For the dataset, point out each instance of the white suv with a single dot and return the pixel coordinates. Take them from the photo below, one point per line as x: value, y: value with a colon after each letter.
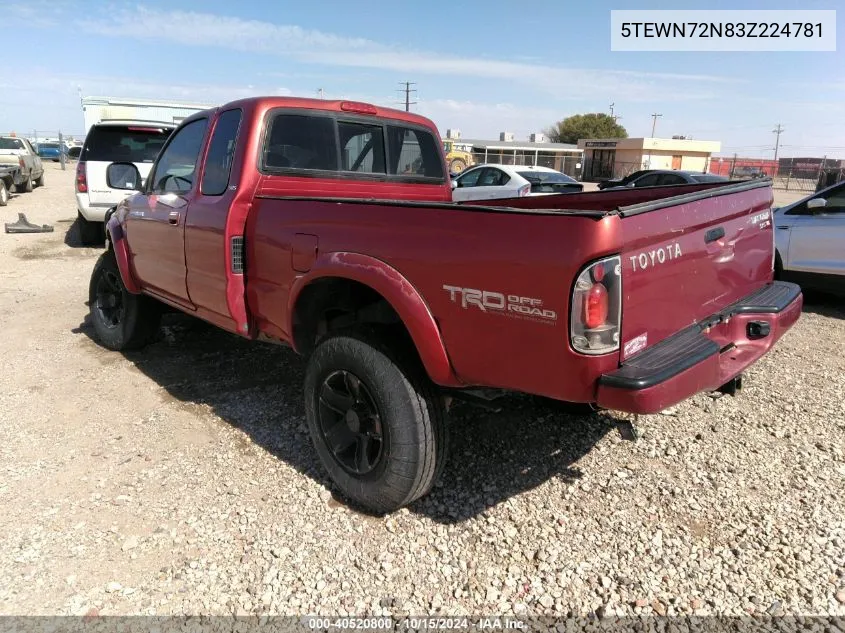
x: 109, y: 142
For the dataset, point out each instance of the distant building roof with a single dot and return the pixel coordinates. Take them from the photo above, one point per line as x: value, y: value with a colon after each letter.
x: 121, y: 101
x: 526, y: 146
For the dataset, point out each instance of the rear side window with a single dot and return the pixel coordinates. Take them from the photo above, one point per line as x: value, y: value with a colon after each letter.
x: 221, y: 151
x: 413, y: 152
x: 299, y: 141
x: 112, y: 143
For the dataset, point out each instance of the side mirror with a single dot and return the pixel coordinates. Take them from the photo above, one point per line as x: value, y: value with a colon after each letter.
x: 816, y: 204
x: 124, y: 176
x: 454, y: 184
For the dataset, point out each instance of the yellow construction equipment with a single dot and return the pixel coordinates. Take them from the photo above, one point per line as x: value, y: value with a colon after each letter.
x: 457, y: 159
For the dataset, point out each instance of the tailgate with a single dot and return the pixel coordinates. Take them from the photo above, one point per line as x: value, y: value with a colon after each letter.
x: 687, y: 257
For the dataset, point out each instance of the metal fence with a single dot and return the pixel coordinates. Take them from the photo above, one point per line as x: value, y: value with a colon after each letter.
x: 788, y: 174
x: 569, y: 164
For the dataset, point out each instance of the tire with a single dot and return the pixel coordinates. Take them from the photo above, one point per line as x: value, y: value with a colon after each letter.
x: 4, y: 194
x: 25, y: 187
x: 121, y: 320
x: 90, y: 233
x: 404, y: 444
x: 39, y: 182
x: 457, y: 165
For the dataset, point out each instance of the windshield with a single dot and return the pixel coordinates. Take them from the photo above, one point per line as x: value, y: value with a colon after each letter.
x: 118, y: 143
x: 546, y: 177
x: 11, y: 143
x: 49, y: 146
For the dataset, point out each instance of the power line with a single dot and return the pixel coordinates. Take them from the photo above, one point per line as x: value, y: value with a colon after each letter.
x: 408, y: 90
x: 654, y: 118
x: 777, y: 131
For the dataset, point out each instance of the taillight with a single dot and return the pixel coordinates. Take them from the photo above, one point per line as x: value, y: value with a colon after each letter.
x: 22, y: 163
x: 596, y: 307
x: 81, y: 178
x: 524, y: 190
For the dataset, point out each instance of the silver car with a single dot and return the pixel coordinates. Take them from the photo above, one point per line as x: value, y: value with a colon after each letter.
x: 810, y: 240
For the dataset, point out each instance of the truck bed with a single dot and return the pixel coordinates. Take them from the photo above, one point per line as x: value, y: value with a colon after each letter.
x: 525, y: 248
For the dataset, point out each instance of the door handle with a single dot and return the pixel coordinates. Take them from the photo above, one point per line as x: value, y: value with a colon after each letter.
x: 173, y: 218
x: 783, y: 227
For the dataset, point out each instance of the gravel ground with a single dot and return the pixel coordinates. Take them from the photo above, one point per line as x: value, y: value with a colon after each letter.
x: 180, y: 480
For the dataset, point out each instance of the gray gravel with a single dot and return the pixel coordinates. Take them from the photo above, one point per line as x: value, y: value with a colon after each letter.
x: 181, y: 480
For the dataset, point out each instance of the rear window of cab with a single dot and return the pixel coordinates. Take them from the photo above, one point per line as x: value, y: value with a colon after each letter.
x: 324, y: 144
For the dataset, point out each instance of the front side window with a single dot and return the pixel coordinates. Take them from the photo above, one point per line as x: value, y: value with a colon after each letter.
x: 176, y: 167
x: 469, y: 179
x: 221, y: 151
x: 301, y: 141
x: 835, y: 203
x: 362, y: 147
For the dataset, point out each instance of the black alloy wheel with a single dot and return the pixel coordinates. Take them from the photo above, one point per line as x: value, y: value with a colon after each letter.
x: 350, y: 423
x: 110, y: 303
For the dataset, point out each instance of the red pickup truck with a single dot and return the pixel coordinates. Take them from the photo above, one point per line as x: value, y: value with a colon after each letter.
x: 328, y: 226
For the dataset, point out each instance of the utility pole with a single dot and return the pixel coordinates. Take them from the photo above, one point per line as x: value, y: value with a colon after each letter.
x: 613, y: 116
x: 777, y: 131
x: 654, y: 118
x: 320, y: 92
x: 408, y: 90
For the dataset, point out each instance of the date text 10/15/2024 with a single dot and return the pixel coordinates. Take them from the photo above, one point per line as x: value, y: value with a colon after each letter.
x: 414, y: 623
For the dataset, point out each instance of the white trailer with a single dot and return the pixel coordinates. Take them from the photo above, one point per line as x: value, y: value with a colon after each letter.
x: 96, y: 109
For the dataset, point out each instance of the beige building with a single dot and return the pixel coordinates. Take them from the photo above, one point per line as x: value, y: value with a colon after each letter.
x: 617, y: 157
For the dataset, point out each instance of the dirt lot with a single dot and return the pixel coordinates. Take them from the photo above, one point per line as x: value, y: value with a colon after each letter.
x: 180, y: 479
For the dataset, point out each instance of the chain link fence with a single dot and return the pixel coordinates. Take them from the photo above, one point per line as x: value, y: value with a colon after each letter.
x: 788, y: 174
x: 570, y: 164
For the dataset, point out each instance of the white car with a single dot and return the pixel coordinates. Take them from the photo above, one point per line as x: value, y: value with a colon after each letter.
x: 110, y: 142
x: 493, y: 182
x: 810, y: 240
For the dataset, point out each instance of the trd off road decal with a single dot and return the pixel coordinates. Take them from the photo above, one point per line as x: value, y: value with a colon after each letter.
x: 498, y: 303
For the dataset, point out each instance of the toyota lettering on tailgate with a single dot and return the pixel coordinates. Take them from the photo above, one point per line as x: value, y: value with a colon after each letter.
x: 656, y: 256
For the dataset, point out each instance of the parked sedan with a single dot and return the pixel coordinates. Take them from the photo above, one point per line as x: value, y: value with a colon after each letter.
x: 492, y: 182
x: 810, y: 240
x: 668, y: 177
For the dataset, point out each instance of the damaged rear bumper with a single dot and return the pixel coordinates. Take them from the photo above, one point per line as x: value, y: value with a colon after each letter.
x: 704, y: 356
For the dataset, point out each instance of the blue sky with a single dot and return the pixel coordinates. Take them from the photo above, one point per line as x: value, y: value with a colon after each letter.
x: 481, y: 67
